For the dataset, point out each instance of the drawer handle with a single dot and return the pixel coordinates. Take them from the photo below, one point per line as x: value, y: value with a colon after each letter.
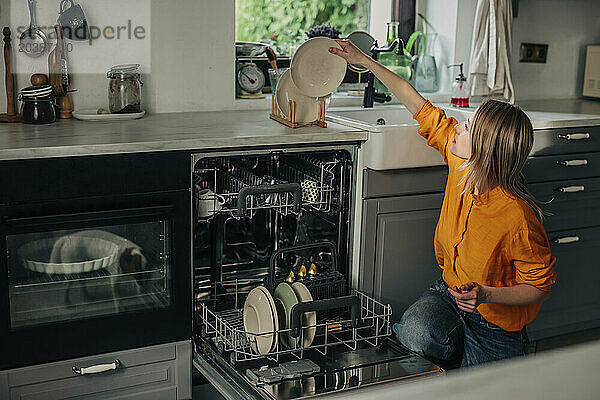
x: 572, y: 163
x: 566, y: 239
x: 96, y: 369
x: 574, y: 136
x: 571, y: 189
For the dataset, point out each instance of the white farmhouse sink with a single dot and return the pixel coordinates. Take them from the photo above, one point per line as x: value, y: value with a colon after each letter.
x: 396, y: 144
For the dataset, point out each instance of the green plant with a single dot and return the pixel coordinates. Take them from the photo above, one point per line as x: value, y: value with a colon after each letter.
x: 281, y: 22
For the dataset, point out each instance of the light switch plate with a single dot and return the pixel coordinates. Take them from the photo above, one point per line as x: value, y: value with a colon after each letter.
x: 531, y: 52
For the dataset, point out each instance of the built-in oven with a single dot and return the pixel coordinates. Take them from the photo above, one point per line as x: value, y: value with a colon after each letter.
x: 89, y: 275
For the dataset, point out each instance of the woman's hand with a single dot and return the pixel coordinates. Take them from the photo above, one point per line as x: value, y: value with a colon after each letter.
x: 469, y: 296
x: 350, y: 53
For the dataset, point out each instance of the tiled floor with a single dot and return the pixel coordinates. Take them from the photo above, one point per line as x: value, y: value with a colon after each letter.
x: 204, y: 391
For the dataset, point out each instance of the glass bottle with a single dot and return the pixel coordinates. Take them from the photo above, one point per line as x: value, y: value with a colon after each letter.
x: 399, y: 64
x: 425, y: 75
x: 460, y: 89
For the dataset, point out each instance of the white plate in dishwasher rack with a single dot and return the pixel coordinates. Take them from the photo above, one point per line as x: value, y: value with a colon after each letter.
x: 309, y: 319
x: 260, y: 320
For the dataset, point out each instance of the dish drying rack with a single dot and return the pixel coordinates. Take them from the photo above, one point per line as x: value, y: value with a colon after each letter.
x: 302, y: 180
x: 277, y: 115
x: 370, y: 325
x: 367, y: 322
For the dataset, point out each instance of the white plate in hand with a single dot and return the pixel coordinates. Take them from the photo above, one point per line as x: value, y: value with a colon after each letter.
x: 315, y: 71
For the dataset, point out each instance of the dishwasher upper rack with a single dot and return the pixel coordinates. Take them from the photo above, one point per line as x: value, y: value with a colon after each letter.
x: 226, y: 330
x: 302, y: 180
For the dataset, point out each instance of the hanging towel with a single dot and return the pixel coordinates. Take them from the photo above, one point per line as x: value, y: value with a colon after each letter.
x: 489, y: 70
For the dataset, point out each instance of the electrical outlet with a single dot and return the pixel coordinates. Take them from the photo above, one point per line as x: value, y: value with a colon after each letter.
x: 531, y: 52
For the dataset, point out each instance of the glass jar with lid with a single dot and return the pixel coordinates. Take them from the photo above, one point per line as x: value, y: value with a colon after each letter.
x: 124, y: 89
x: 37, y: 105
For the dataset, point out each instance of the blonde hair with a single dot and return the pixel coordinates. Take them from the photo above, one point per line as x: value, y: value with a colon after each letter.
x: 501, y: 139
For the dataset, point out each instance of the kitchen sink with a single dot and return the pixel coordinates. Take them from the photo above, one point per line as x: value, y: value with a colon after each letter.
x: 393, y: 142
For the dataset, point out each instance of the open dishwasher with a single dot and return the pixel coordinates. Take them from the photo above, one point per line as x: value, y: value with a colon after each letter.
x: 266, y: 220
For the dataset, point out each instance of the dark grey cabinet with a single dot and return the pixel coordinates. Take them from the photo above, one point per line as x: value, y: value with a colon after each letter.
x: 574, y: 303
x: 155, y: 372
x: 397, y: 258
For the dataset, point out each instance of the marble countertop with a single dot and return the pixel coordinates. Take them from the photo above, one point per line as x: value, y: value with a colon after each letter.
x: 163, y: 132
x: 200, y: 131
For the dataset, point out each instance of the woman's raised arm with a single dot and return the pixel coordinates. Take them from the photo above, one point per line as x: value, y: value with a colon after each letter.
x: 403, y: 90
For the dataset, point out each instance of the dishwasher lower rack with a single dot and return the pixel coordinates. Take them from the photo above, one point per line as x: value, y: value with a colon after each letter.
x: 226, y: 330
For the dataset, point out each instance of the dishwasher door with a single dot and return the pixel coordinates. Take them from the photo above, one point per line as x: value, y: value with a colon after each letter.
x: 340, y: 371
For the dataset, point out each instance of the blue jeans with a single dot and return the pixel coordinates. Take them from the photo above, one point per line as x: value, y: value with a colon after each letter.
x: 437, y: 329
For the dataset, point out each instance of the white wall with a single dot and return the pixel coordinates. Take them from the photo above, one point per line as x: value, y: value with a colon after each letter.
x: 567, y: 27
x: 191, y: 55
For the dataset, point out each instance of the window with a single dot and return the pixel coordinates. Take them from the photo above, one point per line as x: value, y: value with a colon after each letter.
x: 283, y: 24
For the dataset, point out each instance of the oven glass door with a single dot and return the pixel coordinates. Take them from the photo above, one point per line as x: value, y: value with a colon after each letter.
x: 93, y: 275
x: 66, y: 275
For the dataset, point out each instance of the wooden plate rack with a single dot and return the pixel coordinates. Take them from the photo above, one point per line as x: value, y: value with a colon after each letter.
x: 278, y: 116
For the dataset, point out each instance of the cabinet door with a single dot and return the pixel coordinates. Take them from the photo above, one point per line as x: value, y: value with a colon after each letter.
x: 405, y: 264
x: 574, y: 303
x: 398, y: 261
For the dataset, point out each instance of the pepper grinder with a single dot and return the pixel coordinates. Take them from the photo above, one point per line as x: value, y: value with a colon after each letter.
x: 60, y: 79
x: 11, y: 114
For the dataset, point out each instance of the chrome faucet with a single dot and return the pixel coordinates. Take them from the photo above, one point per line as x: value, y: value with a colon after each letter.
x: 370, y: 94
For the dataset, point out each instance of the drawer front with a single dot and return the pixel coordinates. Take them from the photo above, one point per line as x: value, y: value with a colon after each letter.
x: 566, y: 140
x: 404, y: 181
x: 574, y: 301
x: 566, y: 166
x: 150, y: 369
x: 573, y: 203
x: 64, y: 369
x: 141, y: 378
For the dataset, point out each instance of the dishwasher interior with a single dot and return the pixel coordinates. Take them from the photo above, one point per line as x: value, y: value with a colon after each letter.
x: 269, y: 219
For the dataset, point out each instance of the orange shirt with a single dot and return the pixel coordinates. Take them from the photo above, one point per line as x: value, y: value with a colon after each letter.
x: 493, y: 239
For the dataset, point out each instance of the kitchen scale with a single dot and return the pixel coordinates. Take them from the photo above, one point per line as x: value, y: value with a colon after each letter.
x: 249, y: 79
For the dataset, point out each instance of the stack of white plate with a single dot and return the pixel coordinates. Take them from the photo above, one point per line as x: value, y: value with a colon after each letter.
x: 313, y: 75
x: 264, y: 315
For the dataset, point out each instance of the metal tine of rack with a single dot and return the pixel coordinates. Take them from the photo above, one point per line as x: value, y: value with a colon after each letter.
x: 226, y: 329
x: 306, y: 168
x: 315, y: 172
x: 228, y: 183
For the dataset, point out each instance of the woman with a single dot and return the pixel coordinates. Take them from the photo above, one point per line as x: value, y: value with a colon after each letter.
x: 489, y: 242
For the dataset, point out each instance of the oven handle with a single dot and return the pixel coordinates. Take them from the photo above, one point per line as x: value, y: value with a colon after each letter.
x: 87, y: 216
x: 322, y: 305
x: 246, y: 191
x: 317, y: 245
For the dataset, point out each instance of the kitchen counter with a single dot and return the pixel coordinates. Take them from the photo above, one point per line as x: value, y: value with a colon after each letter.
x: 223, y: 129
x: 162, y: 132
x: 562, y: 113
